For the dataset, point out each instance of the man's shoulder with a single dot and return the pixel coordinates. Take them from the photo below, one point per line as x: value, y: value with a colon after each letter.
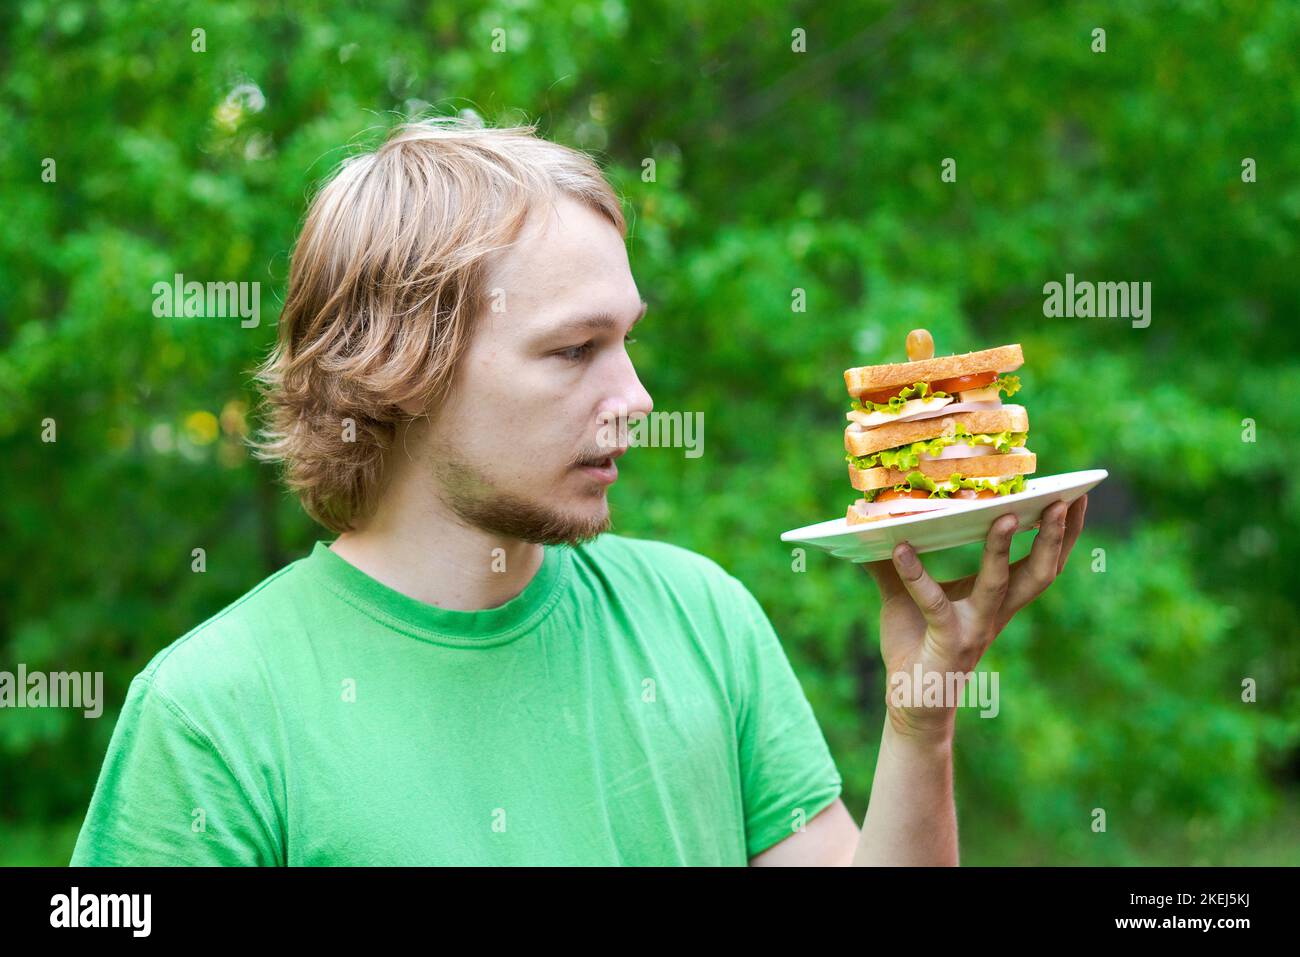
x: 668, y: 586
x: 224, y: 653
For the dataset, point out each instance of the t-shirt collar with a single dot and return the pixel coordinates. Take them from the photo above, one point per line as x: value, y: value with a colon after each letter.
x: 483, y: 628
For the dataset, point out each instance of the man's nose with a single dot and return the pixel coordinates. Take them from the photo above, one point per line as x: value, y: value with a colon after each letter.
x: 629, y: 396
x: 639, y: 401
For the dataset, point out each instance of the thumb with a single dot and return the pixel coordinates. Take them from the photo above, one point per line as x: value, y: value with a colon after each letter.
x: 925, y: 591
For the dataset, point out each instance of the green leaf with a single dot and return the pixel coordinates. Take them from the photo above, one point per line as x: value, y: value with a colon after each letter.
x: 909, y: 456
x: 917, y: 480
x: 918, y: 390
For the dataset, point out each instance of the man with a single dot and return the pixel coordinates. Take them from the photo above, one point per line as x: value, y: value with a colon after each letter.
x: 475, y: 671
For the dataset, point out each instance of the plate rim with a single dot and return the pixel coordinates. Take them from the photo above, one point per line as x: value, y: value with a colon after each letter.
x: 1096, y: 477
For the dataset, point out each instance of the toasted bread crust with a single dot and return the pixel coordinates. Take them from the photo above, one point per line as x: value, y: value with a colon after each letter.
x: 854, y: 517
x: 870, y: 378
x: 1012, y: 418
x: 980, y: 466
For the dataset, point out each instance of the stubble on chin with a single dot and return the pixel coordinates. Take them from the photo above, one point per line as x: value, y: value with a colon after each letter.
x: 473, y: 499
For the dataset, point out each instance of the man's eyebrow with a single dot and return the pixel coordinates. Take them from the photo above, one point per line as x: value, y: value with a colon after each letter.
x: 596, y: 322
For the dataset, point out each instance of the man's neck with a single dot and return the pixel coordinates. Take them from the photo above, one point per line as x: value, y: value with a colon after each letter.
x: 441, y: 562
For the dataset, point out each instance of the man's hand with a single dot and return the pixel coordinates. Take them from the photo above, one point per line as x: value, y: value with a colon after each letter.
x: 947, y: 626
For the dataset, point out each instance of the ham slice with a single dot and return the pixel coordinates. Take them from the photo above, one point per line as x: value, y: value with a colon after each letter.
x: 915, y: 410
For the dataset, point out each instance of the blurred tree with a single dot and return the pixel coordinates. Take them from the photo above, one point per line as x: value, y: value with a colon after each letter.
x: 147, y: 140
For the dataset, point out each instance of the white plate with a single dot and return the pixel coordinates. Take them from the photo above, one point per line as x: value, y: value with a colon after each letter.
x: 947, y: 529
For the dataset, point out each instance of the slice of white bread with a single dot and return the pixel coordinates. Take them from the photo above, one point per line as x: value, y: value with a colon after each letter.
x: 854, y: 517
x: 1007, y: 418
x: 978, y: 466
x: 870, y: 378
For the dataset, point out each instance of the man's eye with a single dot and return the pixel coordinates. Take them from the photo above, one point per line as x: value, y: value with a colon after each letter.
x: 575, y: 353
x: 578, y: 353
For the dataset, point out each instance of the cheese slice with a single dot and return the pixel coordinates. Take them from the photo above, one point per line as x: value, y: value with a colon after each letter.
x: 986, y: 394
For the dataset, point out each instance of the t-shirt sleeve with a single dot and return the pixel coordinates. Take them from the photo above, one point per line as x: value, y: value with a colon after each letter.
x: 787, y: 773
x: 167, y: 796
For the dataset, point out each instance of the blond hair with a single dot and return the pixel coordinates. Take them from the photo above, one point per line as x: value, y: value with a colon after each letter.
x: 387, y: 279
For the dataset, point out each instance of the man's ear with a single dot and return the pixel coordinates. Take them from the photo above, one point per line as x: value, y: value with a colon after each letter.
x: 416, y: 406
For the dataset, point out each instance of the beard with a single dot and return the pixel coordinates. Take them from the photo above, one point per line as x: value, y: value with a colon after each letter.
x: 473, y: 498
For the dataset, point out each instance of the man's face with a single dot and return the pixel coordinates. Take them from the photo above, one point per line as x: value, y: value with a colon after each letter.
x: 544, y: 382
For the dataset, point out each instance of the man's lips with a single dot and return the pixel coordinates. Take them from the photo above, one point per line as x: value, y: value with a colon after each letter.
x: 603, y: 469
x: 604, y: 459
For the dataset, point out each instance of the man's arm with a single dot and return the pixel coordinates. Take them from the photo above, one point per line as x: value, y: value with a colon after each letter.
x: 939, y: 627
x: 827, y: 840
x: 912, y: 818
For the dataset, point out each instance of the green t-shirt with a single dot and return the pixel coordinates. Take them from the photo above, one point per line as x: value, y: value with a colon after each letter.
x: 632, y: 705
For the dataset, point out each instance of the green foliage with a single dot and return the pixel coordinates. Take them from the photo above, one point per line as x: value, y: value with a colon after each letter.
x: 775, y: 171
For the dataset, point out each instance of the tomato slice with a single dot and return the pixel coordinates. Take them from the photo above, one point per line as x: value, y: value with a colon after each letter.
x: 882, y: 395
x: 889, y: 494
x: 956, y: 384
x: 963, y: 382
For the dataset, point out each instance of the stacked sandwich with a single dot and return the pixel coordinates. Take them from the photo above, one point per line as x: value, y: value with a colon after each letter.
x: 931, y: 434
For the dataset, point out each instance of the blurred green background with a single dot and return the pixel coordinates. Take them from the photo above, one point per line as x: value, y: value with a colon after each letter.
x: 775, y: 170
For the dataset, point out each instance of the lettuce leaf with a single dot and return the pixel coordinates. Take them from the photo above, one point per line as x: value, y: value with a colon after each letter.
x: 1010, y: 384
x: 905, y: 457
x: 919, y: 481
x: 919, y: 390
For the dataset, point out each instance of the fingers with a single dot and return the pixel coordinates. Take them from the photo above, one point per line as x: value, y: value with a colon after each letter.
x: 1037, y: 570
x: 990, y: 586
x: 959, y: 588
x: 1073, y: 526
x: 885, y: 577
x: 925, y: 591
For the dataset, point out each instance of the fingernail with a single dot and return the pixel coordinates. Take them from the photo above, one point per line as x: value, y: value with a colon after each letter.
x: 906, y: 556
